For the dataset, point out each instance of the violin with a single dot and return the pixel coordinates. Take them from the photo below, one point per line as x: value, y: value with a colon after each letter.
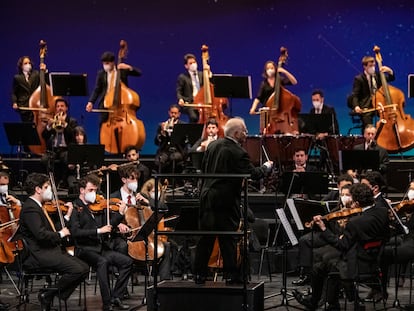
x: 405, y: 206
x: 344, y: 213
x: 100, y: 204
x: 51, y: 207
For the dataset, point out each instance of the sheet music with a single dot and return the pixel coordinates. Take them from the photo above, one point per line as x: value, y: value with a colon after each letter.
x: 286, y: 225
x: 291, y: 204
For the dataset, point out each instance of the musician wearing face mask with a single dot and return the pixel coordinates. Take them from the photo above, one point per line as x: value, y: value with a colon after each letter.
x: 25, y: 82
x: 188, y: 85
x: 319, y: 107
x: 267, y: 87
x: 6, y: 197
x: 106, y: 79
x: 364, y: 86
x: 169, y: 154
x: 90, y: 231
x: 44, y: 242
x: 370, y: 144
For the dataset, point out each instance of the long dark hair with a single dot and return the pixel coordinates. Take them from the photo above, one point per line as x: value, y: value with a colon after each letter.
x: 20, y: 63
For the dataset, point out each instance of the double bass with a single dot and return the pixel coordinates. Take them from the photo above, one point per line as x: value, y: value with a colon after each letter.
x: 283, y: 105
x: 122, y: 127
x: 208, y: 105
x: 395, y: 129
x: 42, y: 104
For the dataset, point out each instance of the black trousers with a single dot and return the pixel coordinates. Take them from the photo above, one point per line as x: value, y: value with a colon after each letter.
x: 102, y: 261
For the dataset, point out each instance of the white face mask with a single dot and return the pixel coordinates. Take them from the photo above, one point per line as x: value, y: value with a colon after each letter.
x: 317, y: 105
x: 270, y: 72
x: 4, y: 189
x: 133, y: 186
x: 107, y: 67
x: 47, y: 194
x: 26, y: 68
x: 345, y: 199
x: 193, y: 67
x: 371, y: 70
x: 90, y: 197
x: 410, y: 194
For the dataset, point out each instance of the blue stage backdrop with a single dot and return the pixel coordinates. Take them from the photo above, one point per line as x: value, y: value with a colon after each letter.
x: 326, y: 41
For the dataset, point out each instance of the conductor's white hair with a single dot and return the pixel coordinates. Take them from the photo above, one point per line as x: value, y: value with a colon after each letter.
x: 233, y: 125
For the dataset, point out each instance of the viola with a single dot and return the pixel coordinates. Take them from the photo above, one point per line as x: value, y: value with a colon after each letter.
x: 51, y: 206
x: 344, y: 213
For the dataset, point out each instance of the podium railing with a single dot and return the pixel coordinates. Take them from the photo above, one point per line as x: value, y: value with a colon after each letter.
x: 203, y: 233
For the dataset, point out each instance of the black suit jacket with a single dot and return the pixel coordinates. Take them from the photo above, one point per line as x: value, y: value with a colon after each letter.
x: 361, y: 93
x: 35, y: 228
x: 22, y: 89
x: 220, y: 197
x: 101, y: 84
x: 373, y: 224
x: 84, y: 226
x: 383, y: 155
x: 333, y: 130
x: 184, y: 88
x: 68, y: 132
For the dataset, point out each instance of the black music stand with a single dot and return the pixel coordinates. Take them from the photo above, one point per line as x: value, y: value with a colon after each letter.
x: 359, y: 160
x: 232, y: 87
x: 186, y: 134
x: 88, y: 156
x: 311, y: 123
x: 305, y: 182
x: 67, y: 84
x: 149, y: 226
x: 306, y: 209
x: 21, y: 134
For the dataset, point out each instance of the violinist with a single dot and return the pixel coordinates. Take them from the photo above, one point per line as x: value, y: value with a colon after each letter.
x: 44, y: 242
x: 376, y: 182
x: 267, y: 86
x: 106, y: 79
x: 370, y: 132
x: 25, y: 82
x: 371, y: 224
x: 90, y: 231
x: 364, y: 87
x: 132, y: 155
x: 169, y: 155
x: 59, y: 134
x: 188, y: 85
x: 311, y: 247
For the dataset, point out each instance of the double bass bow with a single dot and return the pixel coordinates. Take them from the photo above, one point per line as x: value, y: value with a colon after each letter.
x: 395, y: 129
x: 41, y: 103
x: 283, y: 105
x: 122, y: 127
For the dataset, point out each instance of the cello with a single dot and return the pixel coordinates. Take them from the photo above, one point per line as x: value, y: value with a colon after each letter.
x: 283, y: 105
x: 122, y: 127
x: 395, y: 129
x: 42, y: 104
x: 208, y: 105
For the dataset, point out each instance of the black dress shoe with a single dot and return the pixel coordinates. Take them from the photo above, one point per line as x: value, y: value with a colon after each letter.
x: 116, y: 302
x: 305, y: 301
x: 45, y: 297
x: 199, y: 279
x: 303, y: 280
